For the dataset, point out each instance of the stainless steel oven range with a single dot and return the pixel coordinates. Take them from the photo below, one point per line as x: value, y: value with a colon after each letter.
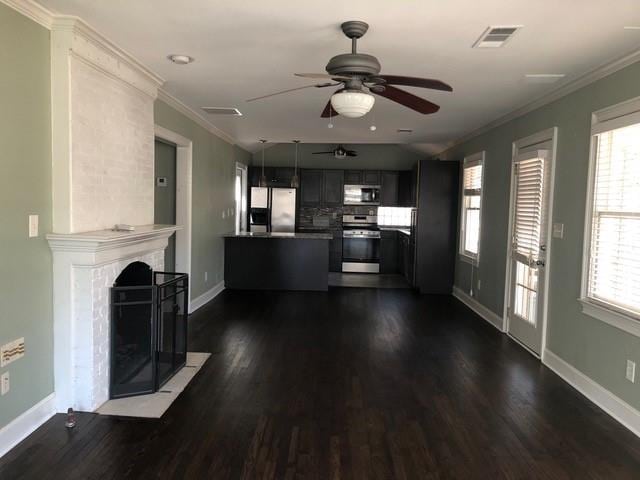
x: 360, y: 244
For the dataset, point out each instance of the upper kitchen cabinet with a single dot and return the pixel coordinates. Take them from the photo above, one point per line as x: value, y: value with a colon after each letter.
x: 408, y: 188
x: 333, y: 188
x: 362, y: 177
x: 321, y: 188
x: 353, y: 177
x: 371, y: 177
x: 389, y: 189
x: 276, y: 176
x: 311, y: 186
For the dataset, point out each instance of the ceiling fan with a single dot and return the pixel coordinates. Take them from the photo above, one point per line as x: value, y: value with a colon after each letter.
x: 358, y: 75
x: 339, y: 152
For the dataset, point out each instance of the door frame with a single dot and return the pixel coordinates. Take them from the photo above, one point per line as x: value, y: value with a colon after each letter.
x: 184, y: 197
x: 550, y: 134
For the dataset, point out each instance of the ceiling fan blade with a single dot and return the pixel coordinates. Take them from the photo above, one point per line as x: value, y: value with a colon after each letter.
x: 318, y: 85
x: 407, y: 99
x: 322, y: 153
x: 321, y: 75
x: 416, y: 82
x: 351, y: 153
x: 329, y: 111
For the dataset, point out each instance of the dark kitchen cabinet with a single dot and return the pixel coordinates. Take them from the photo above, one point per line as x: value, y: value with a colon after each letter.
x: 333, y: 189
x: 371, y: 177
x: 408, y: 188
x: 389, y: 189
x: 311, y: 186
x: 320, y: 188
x: 353, y: 177
x: 335, y: 253
x: 437, y: 225
x: 276, y: 176
x: 406, y: 255
x: 389, y: 251
x: 362, y: 177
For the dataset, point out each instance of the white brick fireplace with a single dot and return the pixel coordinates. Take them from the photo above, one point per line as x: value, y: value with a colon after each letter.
x: 103, y: 162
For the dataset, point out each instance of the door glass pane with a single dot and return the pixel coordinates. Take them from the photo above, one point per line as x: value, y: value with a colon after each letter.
x: 525, y: 294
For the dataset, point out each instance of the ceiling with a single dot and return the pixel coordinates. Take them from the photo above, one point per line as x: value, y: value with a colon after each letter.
x: 247, y: 48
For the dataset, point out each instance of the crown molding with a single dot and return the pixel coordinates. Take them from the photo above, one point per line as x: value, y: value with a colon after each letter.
x: 562, y: 91
x: 32, y: 10
x: 190, y: 113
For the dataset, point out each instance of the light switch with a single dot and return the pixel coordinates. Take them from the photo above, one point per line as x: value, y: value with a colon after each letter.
x: 33, y: 226
x: 5, y: 384
x: 558, y: 230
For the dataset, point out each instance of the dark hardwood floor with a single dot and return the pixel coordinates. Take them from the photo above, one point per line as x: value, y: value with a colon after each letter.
x: 351, y: 384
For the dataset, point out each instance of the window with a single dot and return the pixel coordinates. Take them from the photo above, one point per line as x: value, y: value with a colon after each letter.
x: 394, y: 216
x: 471, y: 206
x: 612, y: 260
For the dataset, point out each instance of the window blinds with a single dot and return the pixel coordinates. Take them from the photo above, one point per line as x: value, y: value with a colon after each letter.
x: 472, y: 190
x: 472, y: 179
x: 529, y: 207
x: 614, y: 256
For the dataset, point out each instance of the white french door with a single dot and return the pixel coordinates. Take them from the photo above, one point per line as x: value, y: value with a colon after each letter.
x: 528, y: 252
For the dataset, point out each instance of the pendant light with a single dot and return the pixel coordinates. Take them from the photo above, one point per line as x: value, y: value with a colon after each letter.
x: 295, y: 180
x: 263, y: 177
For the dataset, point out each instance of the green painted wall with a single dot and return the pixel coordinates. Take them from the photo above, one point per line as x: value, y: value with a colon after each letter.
x: 213, y: 191
x: 371, y: 157
x: 26, y: 308
x: 595, y: 348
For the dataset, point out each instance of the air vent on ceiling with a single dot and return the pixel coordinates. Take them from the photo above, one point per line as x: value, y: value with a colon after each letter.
x: 494, y: 37
x: 543, y: 77
x: 405, y: 130
x: 222, y: 111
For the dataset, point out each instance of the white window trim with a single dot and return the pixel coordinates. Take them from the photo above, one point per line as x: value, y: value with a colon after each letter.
x: 616, y: 116
x: 465, y: 256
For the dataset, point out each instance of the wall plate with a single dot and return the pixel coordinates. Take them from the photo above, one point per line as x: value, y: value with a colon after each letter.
x: 12, y: 351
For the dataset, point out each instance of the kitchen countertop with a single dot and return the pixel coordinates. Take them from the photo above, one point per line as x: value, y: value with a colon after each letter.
x: 285, y: 235
x: 403, y: 230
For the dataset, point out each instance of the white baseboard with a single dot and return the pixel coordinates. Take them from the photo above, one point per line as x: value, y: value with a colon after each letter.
x: 480, y: 309
x: 206, y: 297
x: 603, y: 398
x: 20, y: 428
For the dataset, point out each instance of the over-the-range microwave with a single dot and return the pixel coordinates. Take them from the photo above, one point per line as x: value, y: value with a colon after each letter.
x: 362, y: 194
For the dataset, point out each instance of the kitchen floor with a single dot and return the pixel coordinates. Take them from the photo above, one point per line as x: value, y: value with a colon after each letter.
x: 367, y: 280
x: 346, y: 384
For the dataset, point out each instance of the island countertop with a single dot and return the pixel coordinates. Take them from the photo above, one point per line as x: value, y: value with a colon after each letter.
x: 281, y: 235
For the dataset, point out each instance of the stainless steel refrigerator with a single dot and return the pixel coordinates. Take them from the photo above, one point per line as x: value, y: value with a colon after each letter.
x: 272, y: 209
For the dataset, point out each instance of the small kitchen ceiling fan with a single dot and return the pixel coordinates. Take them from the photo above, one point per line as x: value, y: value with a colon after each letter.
x: 339, y: 152
x: 358, y: 76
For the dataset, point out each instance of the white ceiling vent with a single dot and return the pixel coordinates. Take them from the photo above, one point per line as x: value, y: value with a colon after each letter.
x: 222, y: 111
x: 494, y: 37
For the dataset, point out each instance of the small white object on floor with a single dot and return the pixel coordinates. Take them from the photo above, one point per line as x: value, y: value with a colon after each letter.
x: 155, y: 404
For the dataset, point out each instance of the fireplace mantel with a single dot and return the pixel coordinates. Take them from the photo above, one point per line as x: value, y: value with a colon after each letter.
x: 108, y: 239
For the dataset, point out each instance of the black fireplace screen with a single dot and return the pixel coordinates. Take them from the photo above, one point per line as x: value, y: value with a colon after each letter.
x: 148, y: 329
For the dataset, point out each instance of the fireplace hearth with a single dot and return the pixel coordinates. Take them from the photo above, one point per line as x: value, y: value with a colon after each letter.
x: 148, y: 329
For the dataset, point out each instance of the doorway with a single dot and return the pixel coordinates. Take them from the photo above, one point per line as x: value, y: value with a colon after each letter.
x: 165, y: 196
x: 529, y: 239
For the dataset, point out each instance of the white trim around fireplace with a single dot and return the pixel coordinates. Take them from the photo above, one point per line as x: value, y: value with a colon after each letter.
x: 184, y: 197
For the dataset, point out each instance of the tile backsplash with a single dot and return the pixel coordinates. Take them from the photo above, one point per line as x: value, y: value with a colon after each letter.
x: 330, y: 217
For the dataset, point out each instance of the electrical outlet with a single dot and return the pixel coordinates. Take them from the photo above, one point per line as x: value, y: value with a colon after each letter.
x: 631, y: 371
x: 12, y: 351
x: 5, y: 384
x: 206, y: 276
x: 33, y: 226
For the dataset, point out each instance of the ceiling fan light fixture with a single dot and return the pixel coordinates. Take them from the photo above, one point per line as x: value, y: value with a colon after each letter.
x: 352, y: 104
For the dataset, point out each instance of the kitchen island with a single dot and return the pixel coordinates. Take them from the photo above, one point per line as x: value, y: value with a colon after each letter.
x: 276, y: 261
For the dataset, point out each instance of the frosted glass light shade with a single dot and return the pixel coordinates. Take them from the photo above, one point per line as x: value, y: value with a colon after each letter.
x: 352, y: 104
